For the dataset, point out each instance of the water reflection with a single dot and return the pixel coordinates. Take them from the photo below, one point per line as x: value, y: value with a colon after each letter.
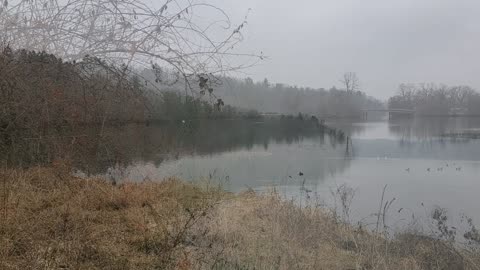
x: 253, y: 153
x: 433, y: 127
x: 420, y: 138
x: 280, y: 164
x: 159, y: 148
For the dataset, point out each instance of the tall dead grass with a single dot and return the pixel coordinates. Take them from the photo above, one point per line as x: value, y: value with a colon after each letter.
x: 53, y: 220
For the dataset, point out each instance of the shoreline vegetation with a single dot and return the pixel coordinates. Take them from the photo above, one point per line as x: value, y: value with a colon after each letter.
x: 53, y: 220
x: 52, y: 109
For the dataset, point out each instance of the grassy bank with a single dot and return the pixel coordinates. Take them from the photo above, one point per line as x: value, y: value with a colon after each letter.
x: 53, y: 220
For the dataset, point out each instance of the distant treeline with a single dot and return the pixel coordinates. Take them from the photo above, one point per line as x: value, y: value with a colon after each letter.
x: 432, y: 99
x: 284, y: 99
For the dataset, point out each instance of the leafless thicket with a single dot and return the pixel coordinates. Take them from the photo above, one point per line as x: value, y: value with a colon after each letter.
x: 434, y: 99
x: 130, y: 32
x: 46, y: 104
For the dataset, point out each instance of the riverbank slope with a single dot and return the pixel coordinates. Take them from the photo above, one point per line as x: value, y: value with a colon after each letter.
x: 53, y: 220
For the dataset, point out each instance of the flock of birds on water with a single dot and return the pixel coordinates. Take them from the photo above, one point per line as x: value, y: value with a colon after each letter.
x: 457, y: 168
x: 440, y: 169
x: 408, y: 169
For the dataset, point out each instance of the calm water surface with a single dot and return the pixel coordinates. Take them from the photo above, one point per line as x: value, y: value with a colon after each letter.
x: 421, y: 164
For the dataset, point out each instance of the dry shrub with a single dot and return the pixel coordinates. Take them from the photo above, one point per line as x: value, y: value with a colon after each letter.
x: 268, y: 233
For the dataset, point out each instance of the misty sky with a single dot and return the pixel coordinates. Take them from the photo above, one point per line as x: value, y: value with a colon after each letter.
x: 387, y: 42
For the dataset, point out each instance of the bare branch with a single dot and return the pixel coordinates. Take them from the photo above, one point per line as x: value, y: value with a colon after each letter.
x: 128, y: 32
x: 350, y: 81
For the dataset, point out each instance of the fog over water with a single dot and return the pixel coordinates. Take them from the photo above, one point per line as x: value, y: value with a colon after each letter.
x: 312, y: 43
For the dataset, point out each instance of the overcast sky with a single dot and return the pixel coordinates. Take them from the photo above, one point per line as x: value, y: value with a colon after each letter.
x: 387, y: 42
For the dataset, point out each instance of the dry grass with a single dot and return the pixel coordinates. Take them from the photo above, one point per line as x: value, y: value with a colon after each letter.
x: 52, y: 220
x: 268, y: 233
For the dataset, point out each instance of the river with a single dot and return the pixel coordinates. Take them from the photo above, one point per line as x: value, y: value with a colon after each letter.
x: 424, y: 164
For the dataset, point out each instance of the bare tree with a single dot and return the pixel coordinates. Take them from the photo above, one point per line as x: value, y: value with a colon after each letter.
x: 131, y: 32
x: 350, y: 81
x: 434, y: 99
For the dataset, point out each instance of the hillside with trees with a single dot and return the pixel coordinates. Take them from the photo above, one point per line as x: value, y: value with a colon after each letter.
x: 286, y: 99
x: 266, y: 97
